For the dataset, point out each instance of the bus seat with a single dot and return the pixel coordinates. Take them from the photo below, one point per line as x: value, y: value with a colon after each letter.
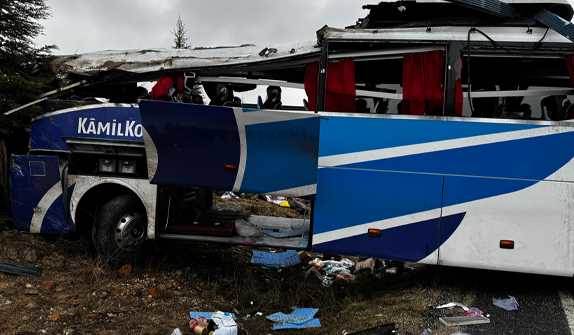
x: 273, y: 99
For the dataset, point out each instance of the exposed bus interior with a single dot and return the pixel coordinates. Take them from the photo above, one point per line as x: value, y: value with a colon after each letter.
x: 199, y: 214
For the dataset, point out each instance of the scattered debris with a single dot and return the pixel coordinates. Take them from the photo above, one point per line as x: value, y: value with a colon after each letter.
x: 277, y: 200
x: 216, y: 323
x: 367, y: 264
x: 20, y: 269
x: 508, y: 304
x: 472, y: 316
x: 275, y: 259
x: 229, y: 195
x: 455, y: 321
x: 269, y: 51
x: 302, y: 206
x: 329, y: 271
x: 176, y: 331
x: 386, y: 329
x: 299, y: 318
x: 468, y: 311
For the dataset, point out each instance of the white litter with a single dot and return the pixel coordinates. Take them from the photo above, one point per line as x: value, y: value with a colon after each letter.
x: 508, y: 304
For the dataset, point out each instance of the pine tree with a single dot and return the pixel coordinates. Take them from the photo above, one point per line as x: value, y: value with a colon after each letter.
x: 23, y: 67
x: 19, y: 25
x: 24, y: 74
x: 181, y: 40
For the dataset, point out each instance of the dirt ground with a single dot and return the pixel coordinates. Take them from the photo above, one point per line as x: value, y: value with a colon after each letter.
x: 76, y: 294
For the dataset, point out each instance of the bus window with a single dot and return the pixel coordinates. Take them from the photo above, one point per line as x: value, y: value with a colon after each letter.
x: 340, y: 86
x: 517, y: 87
x: 401, y: 81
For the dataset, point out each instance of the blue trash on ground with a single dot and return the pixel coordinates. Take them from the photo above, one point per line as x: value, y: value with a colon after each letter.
x: 299, y: 318
x: 275, y: 259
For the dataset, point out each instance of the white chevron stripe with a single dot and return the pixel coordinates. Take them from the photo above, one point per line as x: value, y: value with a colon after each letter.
x: 238, y: 113
x: 382, y: 224
x: 43, y: 206
x: 268, y: 116
x: 300, y: 191
x: 414, y: 149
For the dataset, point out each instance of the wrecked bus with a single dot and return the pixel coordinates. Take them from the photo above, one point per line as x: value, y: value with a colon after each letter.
x: 431, y: 132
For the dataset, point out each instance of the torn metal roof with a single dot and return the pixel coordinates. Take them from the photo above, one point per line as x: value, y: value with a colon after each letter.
x: 446, y: 33
x: 153, y: 60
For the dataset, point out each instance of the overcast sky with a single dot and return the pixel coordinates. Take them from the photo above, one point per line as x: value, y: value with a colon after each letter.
x: 91, y: 25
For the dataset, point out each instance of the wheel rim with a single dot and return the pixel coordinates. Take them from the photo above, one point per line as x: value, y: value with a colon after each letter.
x: 129, y: 231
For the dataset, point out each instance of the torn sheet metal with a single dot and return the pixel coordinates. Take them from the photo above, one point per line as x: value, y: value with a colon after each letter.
x: 151, y: 60
x: 457, y: 321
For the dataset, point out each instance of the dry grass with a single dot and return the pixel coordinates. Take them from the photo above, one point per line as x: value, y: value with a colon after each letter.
x: 78, y: 293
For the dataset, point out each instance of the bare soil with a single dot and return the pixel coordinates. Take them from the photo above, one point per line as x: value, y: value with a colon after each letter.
x: 77, y: 294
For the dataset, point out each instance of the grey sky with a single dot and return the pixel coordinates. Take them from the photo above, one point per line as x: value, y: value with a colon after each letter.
x: 82, y: 26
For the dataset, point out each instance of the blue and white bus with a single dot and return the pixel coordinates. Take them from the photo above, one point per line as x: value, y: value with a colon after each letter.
x: 441, y: 143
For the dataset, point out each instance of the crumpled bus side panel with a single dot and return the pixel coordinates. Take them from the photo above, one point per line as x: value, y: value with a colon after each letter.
x: 37, y: 201
x: 228, y: 148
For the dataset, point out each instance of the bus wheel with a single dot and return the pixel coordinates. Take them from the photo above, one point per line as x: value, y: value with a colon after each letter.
x: 120, y: 230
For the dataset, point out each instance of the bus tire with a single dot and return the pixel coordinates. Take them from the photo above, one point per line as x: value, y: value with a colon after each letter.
x: 120, y: 230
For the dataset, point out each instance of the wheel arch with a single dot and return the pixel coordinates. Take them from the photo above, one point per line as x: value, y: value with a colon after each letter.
x: 92, y: 192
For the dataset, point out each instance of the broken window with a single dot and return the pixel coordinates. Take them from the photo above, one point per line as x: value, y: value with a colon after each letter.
x: 519, y: 86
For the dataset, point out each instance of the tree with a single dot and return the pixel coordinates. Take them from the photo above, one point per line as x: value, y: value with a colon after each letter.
x: 181, y: 40
x: 19, y: 25
x: 23, y: 67
x: 24, y: 73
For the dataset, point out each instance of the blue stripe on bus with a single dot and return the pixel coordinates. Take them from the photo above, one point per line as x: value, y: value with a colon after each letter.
x: 341, y: 135
x: 349, y: 197
x: 533, y: 158
x: 409, y: 243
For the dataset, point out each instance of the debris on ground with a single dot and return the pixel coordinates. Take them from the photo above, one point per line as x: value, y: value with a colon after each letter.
x: 277, y: 200
x: 457, y: 321
x: 330, y: 271
x: 508, y: 304
x: 302, y: 206
x: 252, y: 204
x: 229, y: 195
x: 20, y: 269
x: 275, y: 259
x: 471, y: 316
x: 176, y: 331
x: 216, y: 323
x: 299, y: 318
x: 367, y: 264
x: 468, y: 311
x: 386, y: 329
